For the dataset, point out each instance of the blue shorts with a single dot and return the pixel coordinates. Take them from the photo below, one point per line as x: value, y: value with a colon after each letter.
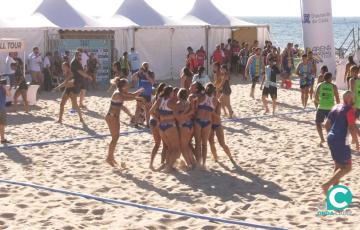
x: 340, y: 152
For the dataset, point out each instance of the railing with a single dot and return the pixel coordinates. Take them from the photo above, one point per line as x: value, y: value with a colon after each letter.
x: 350, y: 45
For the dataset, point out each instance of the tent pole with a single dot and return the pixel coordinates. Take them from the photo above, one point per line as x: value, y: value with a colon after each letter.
x: 171, y: 52
x: 207, y: 48
x: 133, y: 37
x: 24, y: 61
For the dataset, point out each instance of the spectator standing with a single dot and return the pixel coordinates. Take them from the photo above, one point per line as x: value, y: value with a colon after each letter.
x: 191, y: 61
x: 217, y: 56
x: 35, y: 62
x: 56, y: 65
x: 92, y: 67
x: 134, y: 58
x: 67, y: 57
x: 9, y: 71
x: 243, y: 58
x: 47, y: 72
x: 125, y: 64
x: 201, y: 56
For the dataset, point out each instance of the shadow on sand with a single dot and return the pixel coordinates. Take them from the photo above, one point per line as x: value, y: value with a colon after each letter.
x: 216, y: 183
x: 85, y: 128
x: 14, y: 155
x: 20, y: 119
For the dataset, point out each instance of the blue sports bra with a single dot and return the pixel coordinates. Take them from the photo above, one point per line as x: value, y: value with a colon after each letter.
x: 207, y: 104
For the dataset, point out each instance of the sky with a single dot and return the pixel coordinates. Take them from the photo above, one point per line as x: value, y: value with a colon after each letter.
x: 178, y: 8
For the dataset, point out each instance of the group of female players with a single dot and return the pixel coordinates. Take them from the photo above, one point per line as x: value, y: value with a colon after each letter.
x: 178, y: 116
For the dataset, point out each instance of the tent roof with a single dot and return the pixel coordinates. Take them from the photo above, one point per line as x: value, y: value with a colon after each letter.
x: 62, y: 14
x: 140, y: 12
x: 205, y: 11
x: 116, y: 21
x: 33, y: 21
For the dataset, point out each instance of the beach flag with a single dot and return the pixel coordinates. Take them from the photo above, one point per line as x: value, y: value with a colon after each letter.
x: 318, y: 34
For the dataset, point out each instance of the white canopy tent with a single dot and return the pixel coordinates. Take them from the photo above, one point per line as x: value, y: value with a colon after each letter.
x: 140, y: 12
x: 164, y: 46
x: 207, y: 12
x: 32, y: 29
x: 160, y: 40
x: 63, y: 15
x: 34, y: 21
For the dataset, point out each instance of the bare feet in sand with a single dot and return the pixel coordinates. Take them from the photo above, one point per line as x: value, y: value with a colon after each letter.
x: 231, y: 114
x: 168, y: 169
x: 321, y: 143
x: 232, y: 161
x: 111, y: 162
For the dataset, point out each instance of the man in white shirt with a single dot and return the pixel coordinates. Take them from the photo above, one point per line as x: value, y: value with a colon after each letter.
x: 9, y: 71
x: 134, y: 61
x: 35, y: 62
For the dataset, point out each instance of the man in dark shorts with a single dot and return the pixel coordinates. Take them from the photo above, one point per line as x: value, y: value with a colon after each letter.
x: 81, y: 78
x: 341, y: 122
x: 3, y: 93
x: 325, y: 95
x: 270, y: 87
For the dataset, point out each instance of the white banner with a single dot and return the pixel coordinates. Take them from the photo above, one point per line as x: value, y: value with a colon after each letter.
x: 11, y: 45
x: 318, y: 31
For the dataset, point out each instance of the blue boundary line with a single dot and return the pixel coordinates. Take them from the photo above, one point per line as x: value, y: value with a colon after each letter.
x: 267, y: 116
x: 147, y: 207
x: 140, y: 131
x: 98, y: 136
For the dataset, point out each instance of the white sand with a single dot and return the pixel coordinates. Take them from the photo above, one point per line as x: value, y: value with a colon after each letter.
x: 278, y: 180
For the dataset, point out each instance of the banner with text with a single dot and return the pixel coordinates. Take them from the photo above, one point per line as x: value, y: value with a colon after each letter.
x: 318, y: 34
x: 100, y: 47
x: 11, y: 45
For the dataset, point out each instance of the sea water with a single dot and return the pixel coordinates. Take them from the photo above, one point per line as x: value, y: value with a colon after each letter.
x: 289, y: 29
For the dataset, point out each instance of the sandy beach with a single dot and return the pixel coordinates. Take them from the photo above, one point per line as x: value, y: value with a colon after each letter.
x: 277, y: 181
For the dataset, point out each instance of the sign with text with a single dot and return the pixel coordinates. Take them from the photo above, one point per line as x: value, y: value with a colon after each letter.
x: 318, y: 34
x: 11, y: 45
x: 100, y: 47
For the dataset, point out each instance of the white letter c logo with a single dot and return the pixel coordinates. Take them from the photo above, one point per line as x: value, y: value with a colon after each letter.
x: 332, y: 198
